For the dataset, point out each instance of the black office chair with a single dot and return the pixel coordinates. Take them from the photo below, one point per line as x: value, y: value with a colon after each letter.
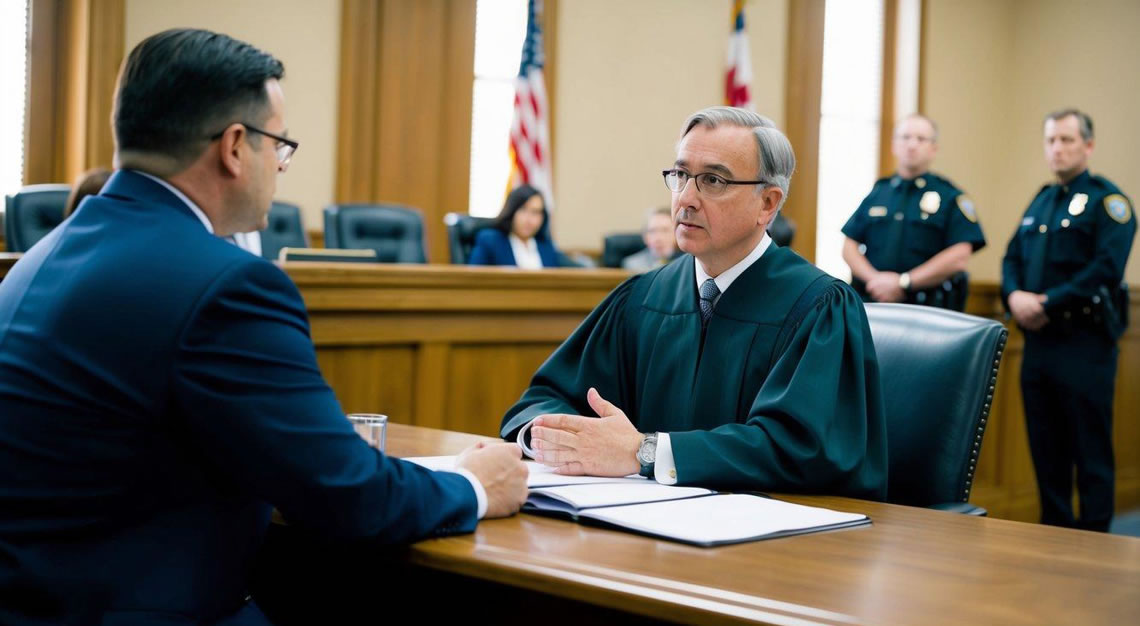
x: 396, y: 233
x: 939, y: 369
x: 461, y: 232
x: 285, y: 230
x: 31, y: 213
x: 617, y: 246
x: 782, y: 230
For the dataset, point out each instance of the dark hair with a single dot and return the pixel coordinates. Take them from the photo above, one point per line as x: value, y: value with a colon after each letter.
x: 182, y: 85
x: 89, y: 183
x: 515, y: 200
x: 1084, y: 122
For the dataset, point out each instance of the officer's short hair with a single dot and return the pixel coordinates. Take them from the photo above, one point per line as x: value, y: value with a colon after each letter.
x: 773, y: 150
x: 180, y: 86
x: 920, y: 116
x: 1084, y: 122
x: 657, y: 210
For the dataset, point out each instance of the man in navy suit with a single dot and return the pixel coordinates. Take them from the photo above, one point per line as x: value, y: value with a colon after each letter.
x: 159, y: 391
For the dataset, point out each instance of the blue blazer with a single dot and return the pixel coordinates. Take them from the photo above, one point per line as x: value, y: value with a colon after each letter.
x: 492, y: 247
x: 159, y: 394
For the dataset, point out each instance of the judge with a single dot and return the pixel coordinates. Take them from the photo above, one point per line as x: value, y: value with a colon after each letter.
x: 738, y: 365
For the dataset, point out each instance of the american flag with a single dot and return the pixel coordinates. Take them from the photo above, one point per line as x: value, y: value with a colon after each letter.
x: 530, y: 134
x: 739, y: 75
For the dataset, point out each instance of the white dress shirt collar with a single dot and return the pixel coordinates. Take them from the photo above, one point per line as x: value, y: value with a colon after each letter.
x: 181, y: 196
x: 729, y: 275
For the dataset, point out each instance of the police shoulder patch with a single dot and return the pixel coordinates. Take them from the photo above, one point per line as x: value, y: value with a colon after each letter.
x: 966, y: 206
x: 1118, y: 208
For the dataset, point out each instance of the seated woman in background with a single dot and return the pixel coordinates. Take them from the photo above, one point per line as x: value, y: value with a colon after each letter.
x: 520, y: 235
x: 89, y: 183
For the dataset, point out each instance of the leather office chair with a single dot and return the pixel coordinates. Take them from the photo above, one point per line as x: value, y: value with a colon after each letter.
x: 620, y: 245
x: 396, y: 233
x: 32, y: 213
x: 939, y: 369
x: 461, y: 232
x: 782, y: 230
x: 285, y: 230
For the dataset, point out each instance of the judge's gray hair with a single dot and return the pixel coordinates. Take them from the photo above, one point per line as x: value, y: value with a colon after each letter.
x: 773, y: 150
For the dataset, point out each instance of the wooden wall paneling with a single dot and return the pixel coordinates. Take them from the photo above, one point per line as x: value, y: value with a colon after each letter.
x: 405, y: 127
x: 1126, y: 426
x: 802, y: 106
x: 887, y: 111
x: 357, y: 102
x: 431, y: 384
x: 485, y: 380
x: 453, y: 169
x: 76, y: 49
x: 43, y: 106
x: 372, y: 379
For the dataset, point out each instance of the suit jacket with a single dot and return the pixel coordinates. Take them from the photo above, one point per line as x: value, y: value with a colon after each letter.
x: 642, y: 261
x: 158, y: 393
x: 492, y: 247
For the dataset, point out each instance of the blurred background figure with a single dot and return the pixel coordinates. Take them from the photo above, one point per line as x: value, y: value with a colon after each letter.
x: 660, y: 246
x: 521, y: 235
x: 89, y: 183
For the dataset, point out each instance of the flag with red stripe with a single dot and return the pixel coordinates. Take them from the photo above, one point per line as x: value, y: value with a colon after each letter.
x: 530, y: 134
x: 738, y: 78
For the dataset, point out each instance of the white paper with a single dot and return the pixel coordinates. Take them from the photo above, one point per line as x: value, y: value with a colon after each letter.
x: 614, y: 493
x: 726, y: 517
x: 540, y: 475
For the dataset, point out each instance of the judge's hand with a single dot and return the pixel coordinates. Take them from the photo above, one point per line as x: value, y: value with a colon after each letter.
x: 1028, y: 309
x: 500, y: 470
x: 602, y: 446
x: 884, y: 287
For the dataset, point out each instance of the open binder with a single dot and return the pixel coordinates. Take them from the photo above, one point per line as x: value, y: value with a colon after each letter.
x: 692, y: 515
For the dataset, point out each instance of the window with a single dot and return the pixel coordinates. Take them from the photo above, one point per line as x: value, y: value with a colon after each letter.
x: 13, y: 83
x: 500, y: 27
x: 849, y: 121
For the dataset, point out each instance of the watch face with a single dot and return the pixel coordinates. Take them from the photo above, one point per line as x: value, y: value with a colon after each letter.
x: 647, y: 453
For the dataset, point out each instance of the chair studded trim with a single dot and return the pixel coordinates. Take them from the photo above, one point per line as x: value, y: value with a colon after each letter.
x: 984, y: 417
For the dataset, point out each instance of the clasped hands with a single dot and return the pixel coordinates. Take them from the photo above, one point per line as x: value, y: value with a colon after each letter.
x: 1028, y: 309
x: 884, y: 287
x: 597, y: 446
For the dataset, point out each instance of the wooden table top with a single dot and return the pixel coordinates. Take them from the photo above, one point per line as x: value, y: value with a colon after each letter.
x: 910, y: 566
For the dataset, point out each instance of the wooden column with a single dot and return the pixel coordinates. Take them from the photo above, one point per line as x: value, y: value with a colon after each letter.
x: 802, y: 103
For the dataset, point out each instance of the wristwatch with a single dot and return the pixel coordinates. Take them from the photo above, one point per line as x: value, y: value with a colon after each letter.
x: 647, y: 454
x: 904, y: 281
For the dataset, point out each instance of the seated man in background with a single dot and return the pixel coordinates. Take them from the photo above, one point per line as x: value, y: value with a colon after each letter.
x: 660, y: 246
x: 738, y: 365
x: 159, y: 392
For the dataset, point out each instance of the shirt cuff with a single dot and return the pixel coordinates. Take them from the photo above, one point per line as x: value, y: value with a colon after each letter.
x: 664, y: 469
x: 480, y: 492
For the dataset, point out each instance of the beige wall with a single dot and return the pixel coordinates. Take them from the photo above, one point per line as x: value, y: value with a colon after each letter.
x: 629, y: 73
x: 305, y: 35
x: 994, y: 68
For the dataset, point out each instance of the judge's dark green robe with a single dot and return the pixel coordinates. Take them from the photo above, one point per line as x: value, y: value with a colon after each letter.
x: 783, y: 395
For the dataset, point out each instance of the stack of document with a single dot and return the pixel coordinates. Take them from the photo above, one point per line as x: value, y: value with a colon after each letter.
x: 692, y: 515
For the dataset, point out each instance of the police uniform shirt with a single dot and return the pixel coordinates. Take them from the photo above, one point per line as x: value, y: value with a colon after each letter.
x: 1073, y: 239
x: 903, y: 223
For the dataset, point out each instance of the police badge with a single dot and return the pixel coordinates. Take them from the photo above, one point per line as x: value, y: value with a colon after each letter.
x: 930, y: 202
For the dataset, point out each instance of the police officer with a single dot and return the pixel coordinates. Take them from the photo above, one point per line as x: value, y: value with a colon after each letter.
x: 911, y: 237
x: 1061, y: 281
